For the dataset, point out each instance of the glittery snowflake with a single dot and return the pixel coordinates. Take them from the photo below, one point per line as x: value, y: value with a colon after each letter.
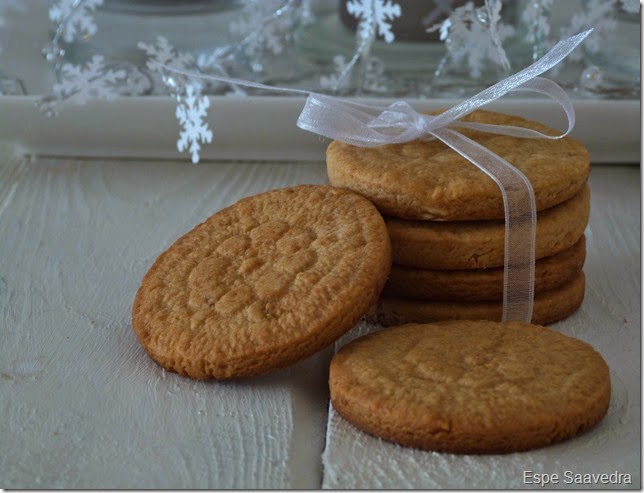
x: 382, y: 12
x: 191, y: 105
x: 79, y: 83
x: 339, y: 81
x: 163, y: 53
x: 475, y: 35
x: 264, y: 24
x: 598, y: 15
x: 536, y: 15
x: 191, y: 112
x: 334, y: 81
x: 373, y: 17
x: 76, y: 18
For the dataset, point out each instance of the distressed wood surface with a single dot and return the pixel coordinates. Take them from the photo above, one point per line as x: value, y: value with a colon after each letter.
x: 82, y: 405
x: 609, y: 319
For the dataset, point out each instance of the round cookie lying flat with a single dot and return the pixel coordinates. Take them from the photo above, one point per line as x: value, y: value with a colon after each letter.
x: 549, y: 307
x: 470, y: 387
x: 424, y: 180
x: 480, y: 244
x: 481, y: 284
x: 263, y: 283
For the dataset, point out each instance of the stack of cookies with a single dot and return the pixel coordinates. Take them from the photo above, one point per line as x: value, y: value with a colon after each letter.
x: 445, y: 221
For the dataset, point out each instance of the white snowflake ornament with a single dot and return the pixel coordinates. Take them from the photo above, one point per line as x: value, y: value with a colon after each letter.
x: 266, y: 27
x: 380, y: 12
x: 374, y: 17
x: 76, y: 17
x: 191, y: 112
x: 474, y: 36
x: 163, y: 53
x: 536, y: 16
x: 80, y: 83
x: 262, y: 23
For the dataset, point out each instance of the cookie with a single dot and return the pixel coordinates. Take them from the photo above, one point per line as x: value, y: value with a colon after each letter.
x: 480, y: 244
x: 263, y: 283
x: 549, y: 306
x: 481, y: 284
x: 426, y: 180
x: 470, y: 387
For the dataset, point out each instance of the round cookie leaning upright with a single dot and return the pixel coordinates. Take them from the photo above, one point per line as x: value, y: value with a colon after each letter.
x: 263, y: 283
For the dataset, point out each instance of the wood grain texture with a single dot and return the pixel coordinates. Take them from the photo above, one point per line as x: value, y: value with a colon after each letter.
x: 82, y: 404
x: 609, y: 319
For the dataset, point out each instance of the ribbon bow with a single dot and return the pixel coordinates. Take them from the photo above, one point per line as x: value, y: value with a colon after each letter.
x: 369, y: 126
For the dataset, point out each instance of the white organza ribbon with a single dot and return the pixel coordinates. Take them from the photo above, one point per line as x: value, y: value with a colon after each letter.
x: 369, y: 126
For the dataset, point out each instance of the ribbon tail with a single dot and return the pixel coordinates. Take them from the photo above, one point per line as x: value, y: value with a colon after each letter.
x: 538, y: 85
x: 556, y: 54
x: 520, y: 222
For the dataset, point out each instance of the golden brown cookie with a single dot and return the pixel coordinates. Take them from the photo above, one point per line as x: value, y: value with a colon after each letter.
x: 470, y: 387
x: 423, y: 180
x: 479, y: 244
x: 549, y: 306
x: 481, y: 284
x: 263, y: 283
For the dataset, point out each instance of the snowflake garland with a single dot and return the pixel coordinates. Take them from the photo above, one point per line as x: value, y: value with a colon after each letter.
x: 380, y: 12
x: 597, y: 14
x: 536, y: 15
x: 94, y: 80
x: 75, y: 17
x: 192, y: 107
x: 263, y: 24
x: 374, y: 17
x: 80, y: 84
x: 475, y: 35
x: 163, y: 53
x: 191, y: 113
x: 77, y: 84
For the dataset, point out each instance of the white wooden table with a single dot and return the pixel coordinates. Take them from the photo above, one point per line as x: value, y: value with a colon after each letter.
x: 82, y: 406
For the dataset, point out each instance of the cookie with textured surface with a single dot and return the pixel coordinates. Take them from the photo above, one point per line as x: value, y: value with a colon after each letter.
x: 470, y: 386
x: 481, y: 284
x: 263, y: 283
x: 480, y: 244
x: 549, y: 307
x: 427, y: 180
